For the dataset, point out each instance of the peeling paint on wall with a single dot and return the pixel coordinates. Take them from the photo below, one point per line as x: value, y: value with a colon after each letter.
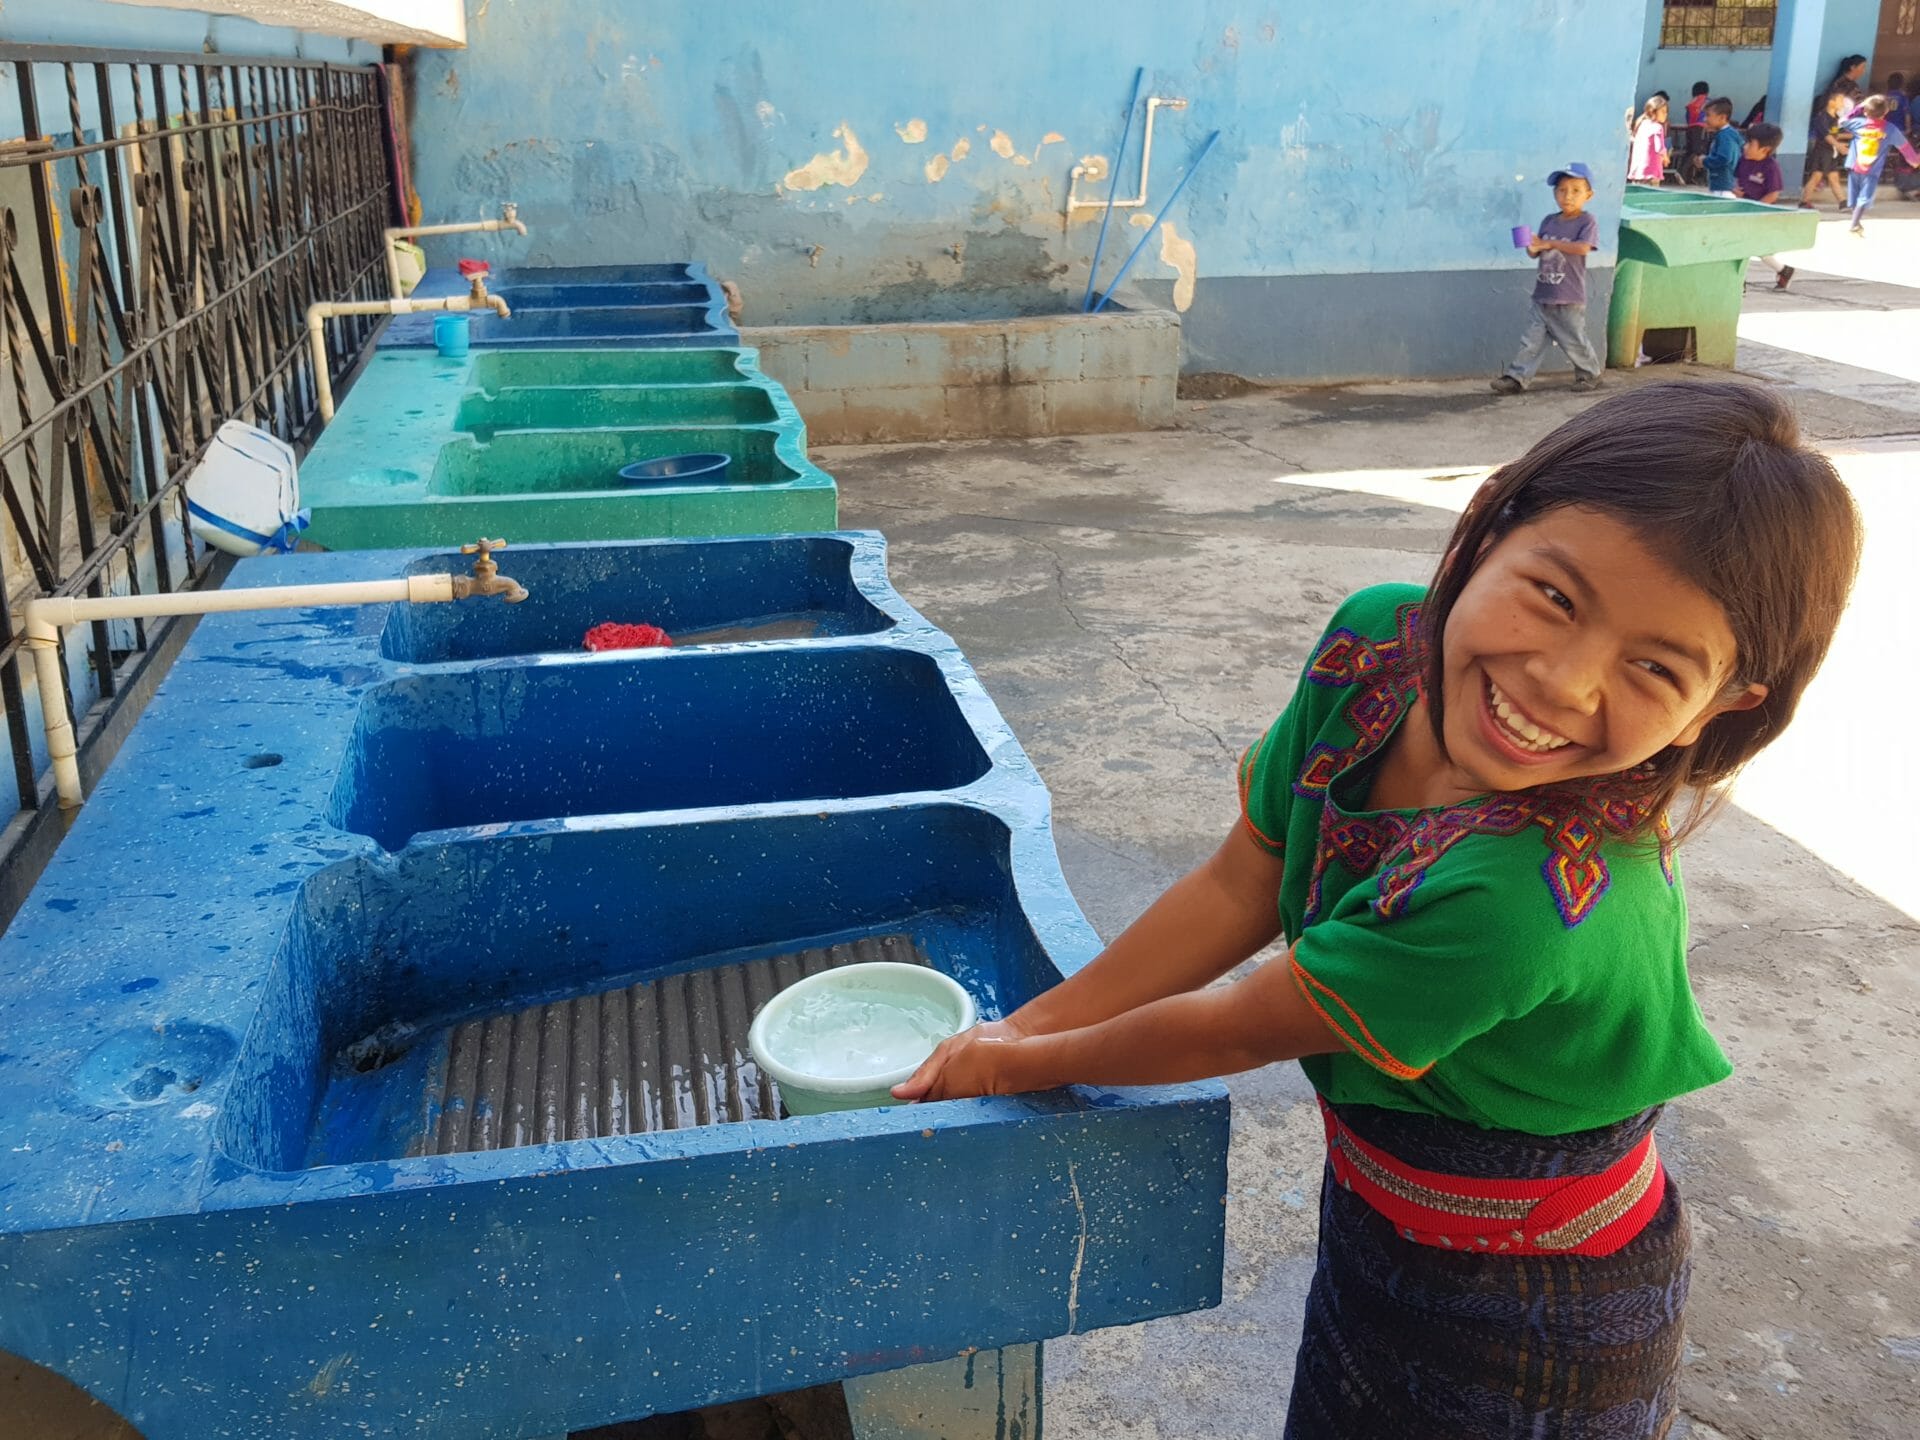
x: 1052, y: 137
x: 844, y: 166
x: 1001, y: 144
x: 962, y: 149
x: 765, y: 113
x: 937, y: 168
x: 1176, y: 250
x: 913, y: 132
x: 1141, y: 219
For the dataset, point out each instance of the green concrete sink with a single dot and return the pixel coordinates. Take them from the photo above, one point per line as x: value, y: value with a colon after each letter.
x: 482, y: 413
x: 1682, y: 266
x: 502, y: 369
x: 1664, y: 228
x: 556, y: 462
x: 528, y: 444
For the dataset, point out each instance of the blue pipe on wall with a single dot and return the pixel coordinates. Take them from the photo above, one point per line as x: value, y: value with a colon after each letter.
x: 1113, y: 189
x: 1128, y: 265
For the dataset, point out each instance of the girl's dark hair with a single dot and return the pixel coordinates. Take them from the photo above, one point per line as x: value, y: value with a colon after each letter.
x: 1700, y: 87
x: 1712, y: 477
x: 1847, y: 62
x: 1761, y: 133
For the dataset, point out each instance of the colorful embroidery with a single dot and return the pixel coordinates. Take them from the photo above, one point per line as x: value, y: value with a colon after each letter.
x: 1576, y: 819
x: 1391, y: 670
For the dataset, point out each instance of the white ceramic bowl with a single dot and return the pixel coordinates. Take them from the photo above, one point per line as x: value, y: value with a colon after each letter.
x: 785, y: 1044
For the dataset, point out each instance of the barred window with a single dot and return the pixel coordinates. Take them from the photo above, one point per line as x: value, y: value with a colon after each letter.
x: 1734, y: 24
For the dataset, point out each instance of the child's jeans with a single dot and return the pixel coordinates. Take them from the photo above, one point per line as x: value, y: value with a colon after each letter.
x: 1860, y: 188
x: 1564, y: 325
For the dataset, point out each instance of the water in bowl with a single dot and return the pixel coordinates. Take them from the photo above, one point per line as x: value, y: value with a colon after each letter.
x: 840, y: 1035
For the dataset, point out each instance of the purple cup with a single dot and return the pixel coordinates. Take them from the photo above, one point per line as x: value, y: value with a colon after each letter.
x: 1522, y: 237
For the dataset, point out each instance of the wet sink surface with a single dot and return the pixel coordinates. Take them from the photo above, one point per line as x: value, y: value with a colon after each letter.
x: 664, y: 731
x: 714, y: 593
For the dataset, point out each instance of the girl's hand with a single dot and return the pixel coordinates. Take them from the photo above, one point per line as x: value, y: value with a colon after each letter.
x: 979, y: 1061
x: 1536, y: 248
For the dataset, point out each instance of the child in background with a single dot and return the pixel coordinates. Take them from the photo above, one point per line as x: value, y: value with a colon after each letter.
x: 1723, y: 147
x: 1696, y: 136
x: 1898, y: 111
x: 1873, y: 138
x: 1758, y: 177
x: 1560, y: 288
x: 1459, y: 827
x: 1698, y: 104
x: 1647, y: 158
x: 1827, y: 146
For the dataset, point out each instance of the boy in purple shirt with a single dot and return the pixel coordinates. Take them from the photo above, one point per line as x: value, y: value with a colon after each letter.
x: 1758, y: 177
x: 1562, y: 244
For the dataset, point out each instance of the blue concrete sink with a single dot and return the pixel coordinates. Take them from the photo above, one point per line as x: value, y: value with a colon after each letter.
x: 596, y: 305
x: 348, y: 1054
x: 306, y: 1137
x: 535, y: 295
x: 649, y: 730
x: 699, y: 592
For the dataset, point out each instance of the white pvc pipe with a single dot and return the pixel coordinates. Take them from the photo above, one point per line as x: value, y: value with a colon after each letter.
x: 45, y: 618
x: 318, y: 314
x: 509, y: 220
x: 1074, y: 202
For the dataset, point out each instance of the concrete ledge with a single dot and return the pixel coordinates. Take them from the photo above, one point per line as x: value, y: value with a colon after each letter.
x: 1327, y: 329
x: 1066, y: 374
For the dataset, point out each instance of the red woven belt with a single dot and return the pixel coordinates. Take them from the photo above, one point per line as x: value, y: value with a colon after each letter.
x: 1578, y: 1215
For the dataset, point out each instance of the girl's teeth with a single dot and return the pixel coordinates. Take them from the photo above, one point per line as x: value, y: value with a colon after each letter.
x: 1522, y: 731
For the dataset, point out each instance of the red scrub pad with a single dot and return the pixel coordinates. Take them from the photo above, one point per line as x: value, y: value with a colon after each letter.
x: 615, y: 636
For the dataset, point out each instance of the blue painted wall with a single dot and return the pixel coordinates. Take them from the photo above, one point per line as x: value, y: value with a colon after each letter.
x: 102, y: 25
x: 1398, y: 143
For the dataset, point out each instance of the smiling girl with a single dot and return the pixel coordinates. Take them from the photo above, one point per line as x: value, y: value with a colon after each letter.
x: 1460, y: 829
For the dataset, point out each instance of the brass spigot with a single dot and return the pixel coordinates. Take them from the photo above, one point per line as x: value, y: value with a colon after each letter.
x: 487, y: 579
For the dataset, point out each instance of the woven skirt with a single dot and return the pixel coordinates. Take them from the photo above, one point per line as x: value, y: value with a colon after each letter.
x: 1412, y: 1342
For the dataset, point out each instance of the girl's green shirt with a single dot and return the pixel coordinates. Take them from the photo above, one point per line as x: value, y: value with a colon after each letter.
x: 1516, y: 961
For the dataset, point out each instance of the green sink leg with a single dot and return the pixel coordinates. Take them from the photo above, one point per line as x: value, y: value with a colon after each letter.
x: 1623, y: 316
x: 989, y: 1395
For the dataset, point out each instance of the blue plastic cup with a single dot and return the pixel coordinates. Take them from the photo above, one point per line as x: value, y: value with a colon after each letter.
x: 452, y: 335
x: 1522, y: 237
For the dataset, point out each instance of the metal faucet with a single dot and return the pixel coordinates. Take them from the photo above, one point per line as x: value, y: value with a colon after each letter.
x: 487, y: 579
x: 479, y: 299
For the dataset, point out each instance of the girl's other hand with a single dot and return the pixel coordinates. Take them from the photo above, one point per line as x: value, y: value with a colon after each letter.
x: 974, y: 1062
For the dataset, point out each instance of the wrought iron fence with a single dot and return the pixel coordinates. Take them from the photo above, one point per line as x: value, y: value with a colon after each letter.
x: 165, y: 220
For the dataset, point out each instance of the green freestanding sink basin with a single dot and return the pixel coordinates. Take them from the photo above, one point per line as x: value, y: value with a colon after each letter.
x: 529, y: 444
x: 1683, y: 263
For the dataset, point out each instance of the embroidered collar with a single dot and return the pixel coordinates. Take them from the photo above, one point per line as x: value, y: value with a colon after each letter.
x: 1575, y: 819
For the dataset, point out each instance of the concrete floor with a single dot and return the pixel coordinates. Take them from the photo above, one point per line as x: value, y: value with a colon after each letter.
x: 1139, y: 606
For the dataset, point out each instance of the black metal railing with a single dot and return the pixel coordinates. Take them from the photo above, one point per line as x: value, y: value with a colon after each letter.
x: 165, y: 221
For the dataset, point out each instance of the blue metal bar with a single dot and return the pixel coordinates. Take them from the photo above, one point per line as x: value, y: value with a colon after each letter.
x: 1204, y: 148
x: 1113, y: 189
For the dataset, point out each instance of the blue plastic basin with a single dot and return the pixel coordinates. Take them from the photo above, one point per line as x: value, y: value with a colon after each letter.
x: 710, y: 469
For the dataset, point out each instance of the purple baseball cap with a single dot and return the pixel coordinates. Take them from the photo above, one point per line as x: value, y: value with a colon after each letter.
x: 1575, y: 168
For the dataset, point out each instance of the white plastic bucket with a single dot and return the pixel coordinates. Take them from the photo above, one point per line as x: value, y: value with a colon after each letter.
x: 244, y: 496
x: 941, y: 1005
